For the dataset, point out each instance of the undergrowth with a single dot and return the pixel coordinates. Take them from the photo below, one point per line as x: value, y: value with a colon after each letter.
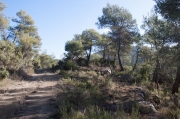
x: 87, y: 99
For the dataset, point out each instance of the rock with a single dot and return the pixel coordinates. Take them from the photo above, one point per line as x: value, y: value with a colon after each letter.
x: 146, y: 107
x: 105, y: 70
x: 139, y: 93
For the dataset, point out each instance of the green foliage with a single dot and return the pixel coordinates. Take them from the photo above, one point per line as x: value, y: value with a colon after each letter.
x: 65, y: 65
x: 106, y: 47
x: 146, y: 54
x: 128, y: 68
x: 95, y: 57
x: 144, y: 72
x: 28, y: 45
x: 22, y: 42
x: 44, y: 61
x: 123, y: 28
x: 169, y: 9
x: 64, y: 74
x: 10, y: 56
x: 25, y: 37
x: 37, y: 62
x: 159, y: 33
x: 99, y: 61
x: 135, y: 113
x: 82, y: 100
x: 4, y: 74
x: 83, y: 94
x: 74, y: 48
x: 93, y: 112
x: 69, y: 65
x: 90, y: 38
x: 65, y: 108
x: 3, y: 20
x: 96, y: 113
x: 81, y: 62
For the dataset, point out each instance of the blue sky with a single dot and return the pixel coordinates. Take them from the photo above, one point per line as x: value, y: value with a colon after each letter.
x: 58, y: 20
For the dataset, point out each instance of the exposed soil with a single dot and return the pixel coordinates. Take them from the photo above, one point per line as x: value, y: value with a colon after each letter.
x: 34, y: 98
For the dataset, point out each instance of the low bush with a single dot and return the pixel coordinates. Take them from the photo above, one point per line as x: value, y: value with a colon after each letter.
x: 4, y: 74
x: 82, y: 62
x: 69, y: 65
x: 91, y: 112
x: 64, y: 74
x: 86, y: 100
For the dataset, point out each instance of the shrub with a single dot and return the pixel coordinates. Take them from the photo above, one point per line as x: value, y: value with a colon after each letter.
x: 106, y: 62
x: 25, y: 72
x: 65, y: 108
x: 127, y: 68
x: 4, y: 74
x: 135, y: 113
x: 64, y: 74
x: 85, y: 99
x: 91, y: 73
x: 91, y: 112
x: 143, y: 74
x: 82, y: 62
x: 69, y: 65
x: 171, y: 113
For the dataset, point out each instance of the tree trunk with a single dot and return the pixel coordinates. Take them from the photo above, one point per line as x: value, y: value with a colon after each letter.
x: 156, y: 73
x: 119, y: 59
x: 114, y: 59
x: 177, y: 82
x: 15, y: 36
x: 87, y: 63
x: 88, y: 57
x: 104, y: 54
x: 137, y: 56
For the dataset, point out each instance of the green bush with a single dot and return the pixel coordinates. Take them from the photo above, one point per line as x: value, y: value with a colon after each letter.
x: 127, y: 68
x: 69, y: 65
x: 92, y: 112
x: 143, y: 73
x: 3, y: 74
x: 106, y: 61
x: 64, y: 74
x: 135, y: 113
x: 85, y: 100
x: 81, y: 62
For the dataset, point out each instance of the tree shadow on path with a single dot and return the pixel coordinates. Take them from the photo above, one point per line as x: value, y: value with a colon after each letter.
x: 33, y: 98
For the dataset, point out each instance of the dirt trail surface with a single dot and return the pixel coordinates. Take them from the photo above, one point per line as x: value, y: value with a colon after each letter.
x: 34, y: 98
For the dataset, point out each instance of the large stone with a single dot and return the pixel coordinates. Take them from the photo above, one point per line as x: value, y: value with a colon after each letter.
x: 146, y: 107
x: 140, y: 94
x: 105, y: 71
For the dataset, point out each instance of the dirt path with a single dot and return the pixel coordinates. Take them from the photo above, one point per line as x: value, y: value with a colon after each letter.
x: 34, y: 98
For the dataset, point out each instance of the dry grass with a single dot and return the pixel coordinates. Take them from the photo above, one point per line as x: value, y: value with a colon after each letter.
x: 170, y: 113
